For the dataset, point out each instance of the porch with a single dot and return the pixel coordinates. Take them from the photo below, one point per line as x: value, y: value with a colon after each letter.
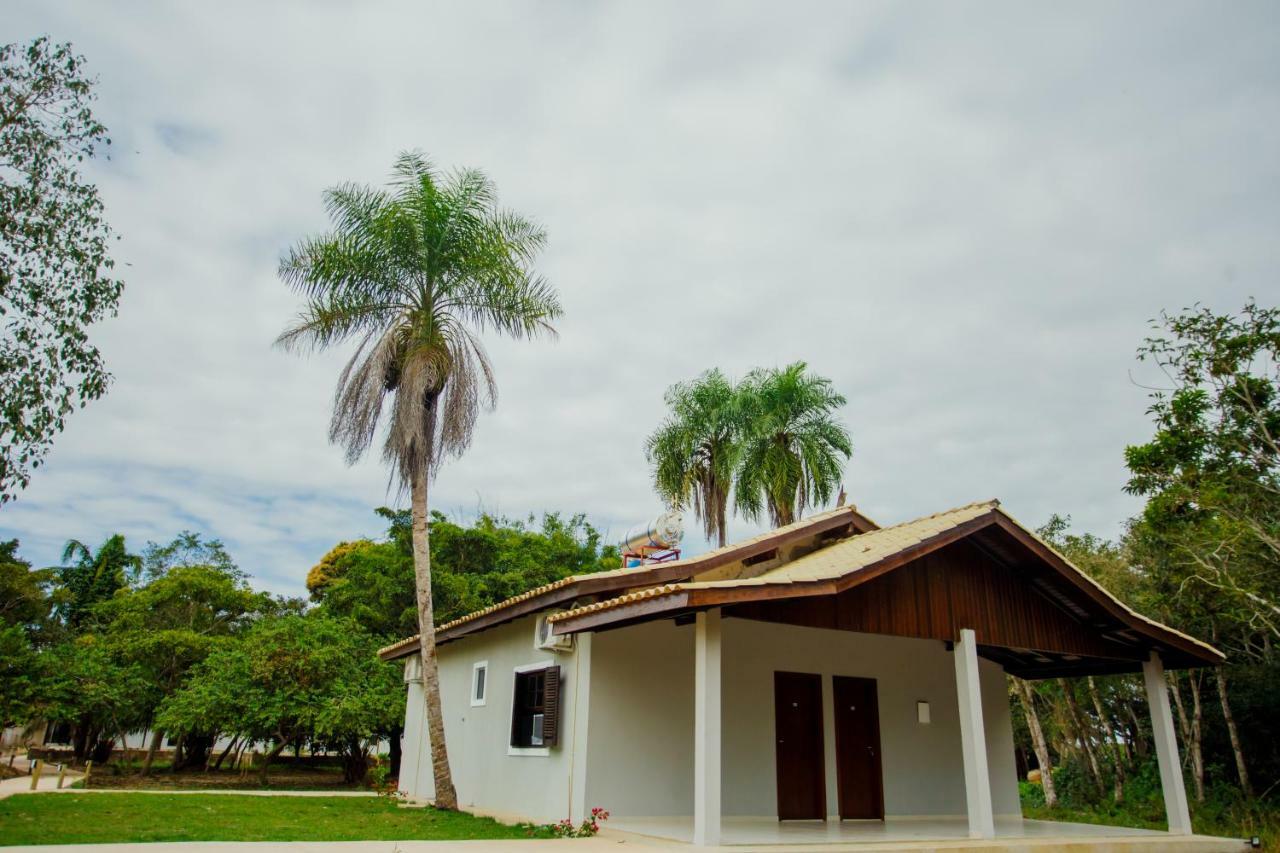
x: 855, y: 694
x: 939, y: 833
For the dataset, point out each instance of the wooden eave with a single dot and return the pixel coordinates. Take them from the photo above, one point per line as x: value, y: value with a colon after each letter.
x: 1178, y: 649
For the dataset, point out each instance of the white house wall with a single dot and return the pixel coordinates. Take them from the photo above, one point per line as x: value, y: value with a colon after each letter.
x: 486, y: 777
x: 641, y: 732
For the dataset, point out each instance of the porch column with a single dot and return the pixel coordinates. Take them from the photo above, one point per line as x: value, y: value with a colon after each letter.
x: 414, y: 711
x: 973, y: 738
x: 706, y: 729
x: 581, y: 705
x: 1171, y: 782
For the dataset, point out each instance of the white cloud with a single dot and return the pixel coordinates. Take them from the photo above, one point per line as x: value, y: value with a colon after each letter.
x: 964, y: 215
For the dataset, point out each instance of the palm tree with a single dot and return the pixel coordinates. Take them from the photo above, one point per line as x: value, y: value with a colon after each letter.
x: 90, y: 577
x: 414, y: 274
x: 694, y: 452
x: 794, y: 451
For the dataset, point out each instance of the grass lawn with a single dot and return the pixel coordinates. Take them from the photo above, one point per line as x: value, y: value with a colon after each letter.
x: 110, y: 817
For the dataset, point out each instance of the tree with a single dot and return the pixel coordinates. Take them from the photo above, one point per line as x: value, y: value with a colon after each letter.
x: 695, y: 451
x: 173, y: 623
x: 187, y: 549
x: 794, y: 450
x: 84, y: 683
x: 25, y: 607
x: 472, y: 567
x: 289, y: 679
x: 1211, y: 471
x: 55, y: 269
x: 414, y: 275
x: 94, y: 576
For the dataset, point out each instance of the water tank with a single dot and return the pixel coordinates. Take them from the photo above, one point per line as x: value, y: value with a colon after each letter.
x: 661, y: 534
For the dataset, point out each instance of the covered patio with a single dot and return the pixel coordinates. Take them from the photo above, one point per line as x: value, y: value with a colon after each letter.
x: 1014, y: 833
x: 885, y: 652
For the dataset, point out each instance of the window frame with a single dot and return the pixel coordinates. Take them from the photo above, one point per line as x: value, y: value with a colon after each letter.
x: 480, y: 680
x: 528, y: 751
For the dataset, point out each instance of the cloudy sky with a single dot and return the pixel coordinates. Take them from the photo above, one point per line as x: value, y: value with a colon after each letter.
x: 964, y: 214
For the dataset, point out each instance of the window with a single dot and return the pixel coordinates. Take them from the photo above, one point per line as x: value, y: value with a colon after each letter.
x: 479, y: 682
x: 535, y: 708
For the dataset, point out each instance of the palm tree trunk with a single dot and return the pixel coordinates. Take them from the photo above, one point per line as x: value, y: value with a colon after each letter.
x: 1230, y: 719
x: 721, y: 502
x: 446, y: 797
x: 1038, y: 741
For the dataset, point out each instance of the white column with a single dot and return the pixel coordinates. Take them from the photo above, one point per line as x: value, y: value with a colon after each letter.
x: 706, y: 730
x: 581, y: 706
x: 829, y: 748
x: 973, y: 738
x: 1175, y: 792
x: 414, y: 711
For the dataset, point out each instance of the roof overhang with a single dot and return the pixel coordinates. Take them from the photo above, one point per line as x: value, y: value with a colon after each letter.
x: 807, y: 534
x: 992, y: 530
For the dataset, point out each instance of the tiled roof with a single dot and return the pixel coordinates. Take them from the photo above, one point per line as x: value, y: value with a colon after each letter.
x: 849, y: 556
x: 833, y: 561
x: 638, y: 573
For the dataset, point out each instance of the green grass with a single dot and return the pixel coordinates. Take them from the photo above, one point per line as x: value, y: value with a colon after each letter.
x: 111, y: 817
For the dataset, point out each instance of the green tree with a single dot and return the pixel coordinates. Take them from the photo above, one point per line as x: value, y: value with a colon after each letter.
x: 187, y: 549
x: 472, y: 567
x: 91, y: 577
x: 55, y: 269
x: 794, y: 449
x: 290, y: 679
x: 694, y: 453
x: 173, y: 623
x: 25, y: 611
x: 415, y: 275
x: 85, y: 684
x: 1211, y: 471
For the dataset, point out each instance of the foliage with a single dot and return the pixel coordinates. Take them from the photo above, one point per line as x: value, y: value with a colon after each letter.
x: 772, y: 439
x: 83, y: 682
x: 174, y: 622
x: 55, y: 268
x: 413, y: 275
x: 1211, y: 471
x: 187, y: 549
x: 93, y: 577
x: 565, y: 828
x: 289, y: 679
x: 152, y: 817
x: 793, y: 451
x: 694, y: 453
x: 472, y: 567
x: 24, y: 592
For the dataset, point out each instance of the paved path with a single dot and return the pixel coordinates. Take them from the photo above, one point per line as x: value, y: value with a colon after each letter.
x: 582, y: 845
x: 48, y: 780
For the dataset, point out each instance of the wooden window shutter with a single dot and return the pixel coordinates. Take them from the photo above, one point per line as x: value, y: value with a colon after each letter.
x: 551, y: 706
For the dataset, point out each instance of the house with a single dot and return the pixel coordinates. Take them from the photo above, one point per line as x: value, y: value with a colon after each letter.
x: 828, y: 680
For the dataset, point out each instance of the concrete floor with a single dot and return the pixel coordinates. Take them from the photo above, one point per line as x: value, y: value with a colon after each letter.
x: 1014, y: 833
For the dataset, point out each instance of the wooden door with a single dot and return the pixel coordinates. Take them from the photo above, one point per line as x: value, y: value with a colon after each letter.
x: 857, y: 723
x: 797, y: 708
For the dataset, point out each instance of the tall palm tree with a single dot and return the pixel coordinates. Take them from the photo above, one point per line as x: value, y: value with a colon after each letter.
x: 694, y: 452
x: 414, y: 274
x: 794, y: 452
